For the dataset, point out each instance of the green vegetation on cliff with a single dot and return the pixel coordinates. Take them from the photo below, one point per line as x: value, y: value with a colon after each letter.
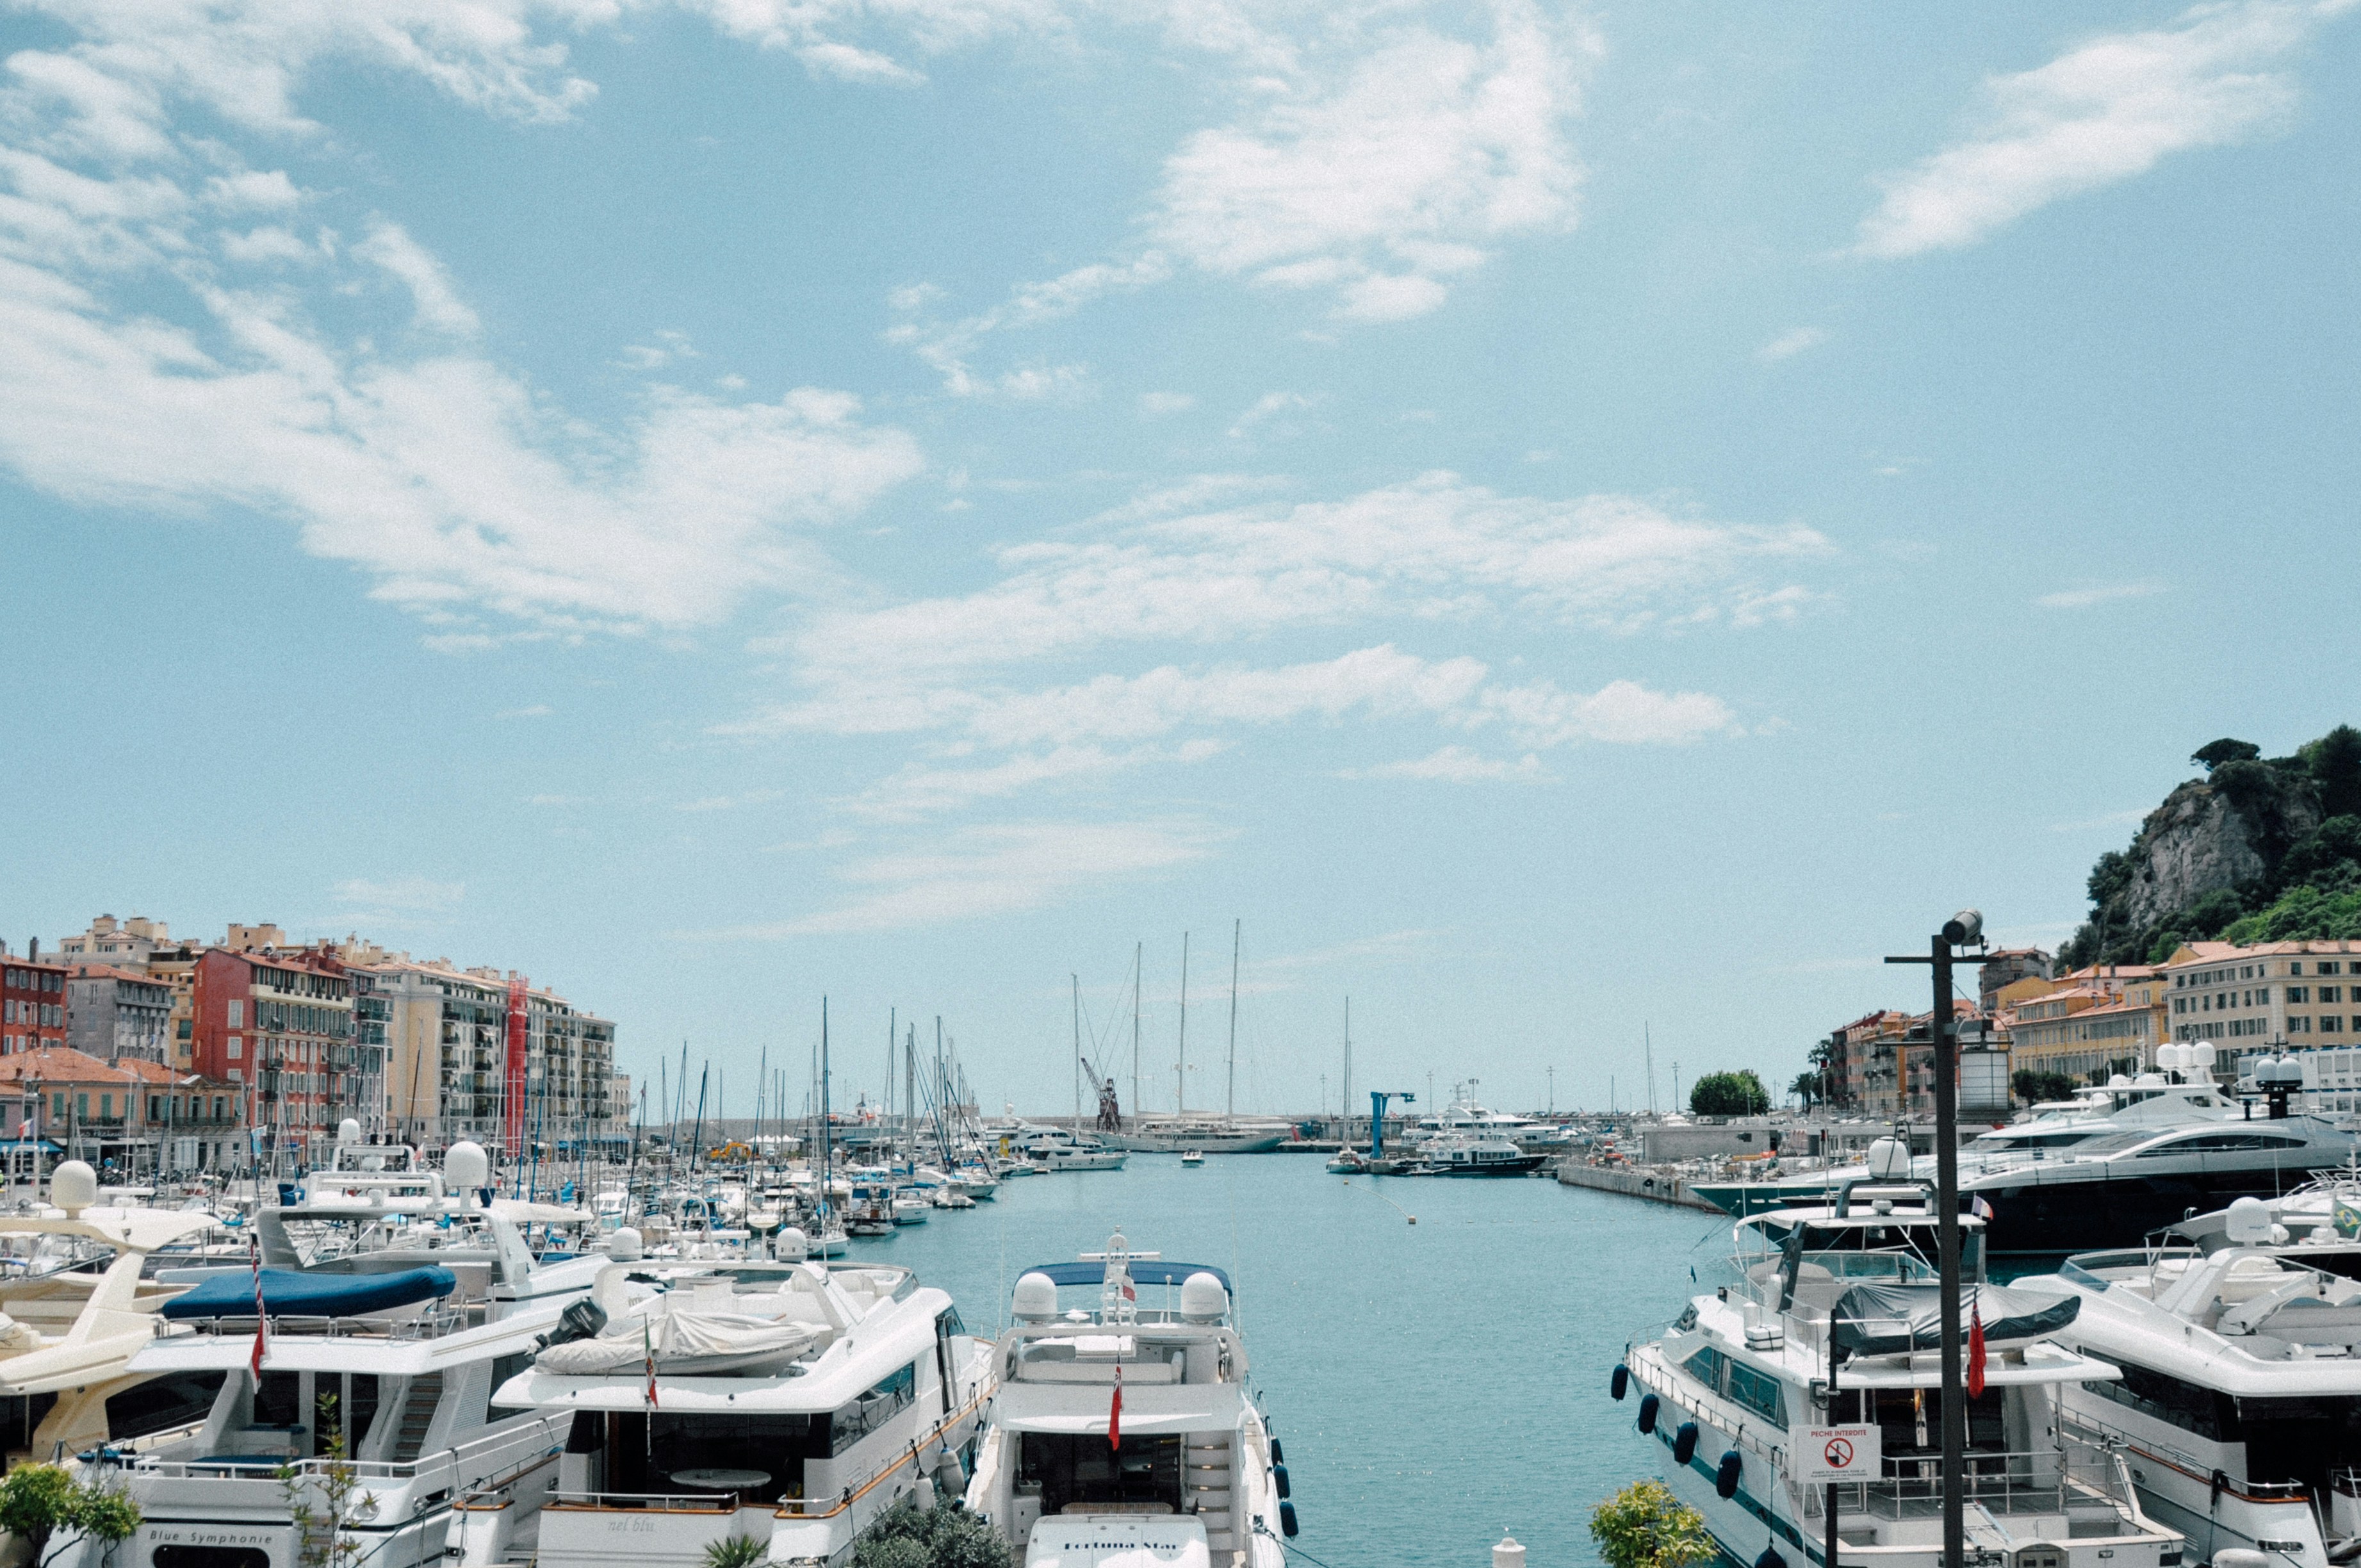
x: 2261, y: 850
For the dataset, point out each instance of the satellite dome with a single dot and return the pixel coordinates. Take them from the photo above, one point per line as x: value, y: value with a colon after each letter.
x: 467, y: 1165
x: 623, y: 1246
x: 1203, y: 1299
x: 1036, y: 1300
x: 791, y: 1245
x: 2249, y: 1223
x: 73, y: 1187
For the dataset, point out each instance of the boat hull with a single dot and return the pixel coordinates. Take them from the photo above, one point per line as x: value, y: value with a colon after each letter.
x: 1208, y: 1143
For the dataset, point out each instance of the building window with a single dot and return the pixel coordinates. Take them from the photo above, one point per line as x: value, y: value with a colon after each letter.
x: 2330, y: 966
x: 2299, y: 1025
x: 2299, y: 993
x: 82, y: 1109
x: 237, y: 1049
x: 236, y: 1013
x: 2332, y: 993
x: 59, y: 1111
x: 2295, y: 966
x: 2329, y: 1023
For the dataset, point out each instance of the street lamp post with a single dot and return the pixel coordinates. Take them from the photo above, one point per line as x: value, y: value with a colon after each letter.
x: 1963, y: 929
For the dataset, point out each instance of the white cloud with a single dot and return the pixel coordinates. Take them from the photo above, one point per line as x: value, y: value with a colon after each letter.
x: 2101, y: 593
x: 2108, y: 110
x: 1270, y: 406
x: 1457, y: 764
x: 1787, y: 345
x: 1382, y: 186
x: 438, y: 304
x: 667, y: 347
x: 948, y: 346
x: 849, y: 62
x: 1620, y: 713
x: 412, y: 895
x: 992, y: 870
x: 924, y: 790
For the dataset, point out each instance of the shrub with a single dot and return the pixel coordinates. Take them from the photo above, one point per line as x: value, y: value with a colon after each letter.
x: 1645, y: 1525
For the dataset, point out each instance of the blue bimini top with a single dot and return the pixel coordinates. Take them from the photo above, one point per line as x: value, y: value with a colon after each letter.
x: 1144, y: 1271
x: 291, y: 1293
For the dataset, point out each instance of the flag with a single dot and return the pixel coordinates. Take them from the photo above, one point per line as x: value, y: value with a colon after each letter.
x: 1115, y: 1412
x: 1979, y: 1208
x: 1976, y: 1353
x: 1128, y: 1293
x: 254, y: 1363
x: 648, y: 1348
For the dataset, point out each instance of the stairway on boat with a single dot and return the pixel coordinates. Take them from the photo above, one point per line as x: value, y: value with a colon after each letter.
x: 1209, y: 1482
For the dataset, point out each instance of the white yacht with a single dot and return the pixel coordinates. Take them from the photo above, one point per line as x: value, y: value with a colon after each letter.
x: 2240, y: 1402
x: 1206, y: 1135
x: 1472, y: 1154
x: 1848, y: 1294
x: 1056, y: 1148
x: 75, y: 1306
x: 1123, y: 1427
x: 1467, y: 1116
x: 387, y: 1377
x: 788, y: 1404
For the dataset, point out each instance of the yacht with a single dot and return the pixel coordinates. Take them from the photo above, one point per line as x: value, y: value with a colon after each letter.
x: 1472, y: 1154
x: 1122, y: 1430
x: 77, y: 1301
x: 2240, y: 1402
x: 1207, y: 1134
x: 1846, y: 1296
x: 1467, y: 1116
x: 1055, y: 1149
x: 787, y: 1404
x: 386, y: 1379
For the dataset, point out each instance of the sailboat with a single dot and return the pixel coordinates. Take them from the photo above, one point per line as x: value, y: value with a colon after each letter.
x: 1226, y: 1134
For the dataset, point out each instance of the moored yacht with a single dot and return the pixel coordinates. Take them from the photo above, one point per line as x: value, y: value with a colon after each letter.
x: 1472, y: 1154
x: 1122, y: 1428
x: 1206, y: 1135
x: 1056, y: 1148
x: 788, y: 1404
x: 1846, y: 1297
x: 2239, y: 1406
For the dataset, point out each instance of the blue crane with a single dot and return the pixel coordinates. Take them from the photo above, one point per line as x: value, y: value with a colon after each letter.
x: 1377, y: 1116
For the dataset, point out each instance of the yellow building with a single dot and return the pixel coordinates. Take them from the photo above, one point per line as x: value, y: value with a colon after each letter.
x: 2087, y: 1024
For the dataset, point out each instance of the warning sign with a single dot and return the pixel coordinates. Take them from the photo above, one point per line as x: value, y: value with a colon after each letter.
x: 1834, y: 1453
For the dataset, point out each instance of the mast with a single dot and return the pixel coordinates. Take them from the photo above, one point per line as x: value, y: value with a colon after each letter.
x: 1138, y: 953
x: 1237, y: 931
x: 824, y: 1149
x: 1346, y: 1103
x: 1078, y: 1050
x: 1181, y: 1064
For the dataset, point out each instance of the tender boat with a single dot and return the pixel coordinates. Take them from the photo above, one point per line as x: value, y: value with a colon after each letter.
x: 1192, y: 1157
x: 1849, y: 1295
x: 2239, y: 1407
x: 1123, y: 1430
x: 787, y: 1404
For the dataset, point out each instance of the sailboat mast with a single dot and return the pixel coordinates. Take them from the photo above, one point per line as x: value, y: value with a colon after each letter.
x: 1138, y: 955
x: 824, y: 1130
x: 1078, y: 1049
x: 1237, y: 931
x: 1345, y: 1100
x: 1180, y: 1063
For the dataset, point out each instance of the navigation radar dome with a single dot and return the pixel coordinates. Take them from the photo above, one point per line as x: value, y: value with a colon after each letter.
x: 1889, y: 1159
x: 1036, y: 1300
x: 623, y: 1246
x: 2249, y: 1223
x: 348, y: 1131
x: 791, y: 1245
x: 466, y: 1166
x: 73, y: 1187
x: 2201, y: 1054
x: 1203, y: 1299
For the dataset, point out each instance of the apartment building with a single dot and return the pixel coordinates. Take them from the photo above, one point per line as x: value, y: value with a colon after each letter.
x: 2243, y: 998
x: 125, y: 944
x: 32, y: 1003
x: 114, y: 1013
x: 280, y: 1021
x: 2089, y: 1023
x: 135, y: 1113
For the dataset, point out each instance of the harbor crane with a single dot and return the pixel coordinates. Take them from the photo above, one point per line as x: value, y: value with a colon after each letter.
x: 1378, y: 1098
x: 1110, y: 1113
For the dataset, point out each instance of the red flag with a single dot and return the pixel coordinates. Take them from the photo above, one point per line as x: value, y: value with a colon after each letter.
x: 1115, y: 1412
x: 254, y: 1363
x: 648, y: 1349
x: 1976, y: 1353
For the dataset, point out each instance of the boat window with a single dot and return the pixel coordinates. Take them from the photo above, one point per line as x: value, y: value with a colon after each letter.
x: 2218, y: 1143
x: 1079, y: 1467
x: 645, y: 1451
x: 175, y: 1400
x: 278, y: 1400
x: 948, y: 1324
x: 1758, y: 1391
x: 1706, y: 1368
x: 872, y: 1410
x: 503, y: 1369
x: 2170, y: 1399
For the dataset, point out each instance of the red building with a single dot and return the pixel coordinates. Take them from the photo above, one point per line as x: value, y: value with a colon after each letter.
x: 32, y: 1004
x: 280, y: 1021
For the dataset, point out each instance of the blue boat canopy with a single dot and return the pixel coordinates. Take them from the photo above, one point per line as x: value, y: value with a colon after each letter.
x: 1144, y: 1271
x: 291, y: 1293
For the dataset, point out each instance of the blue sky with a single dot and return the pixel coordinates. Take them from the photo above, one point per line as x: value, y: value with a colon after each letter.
x: 1571, y: 524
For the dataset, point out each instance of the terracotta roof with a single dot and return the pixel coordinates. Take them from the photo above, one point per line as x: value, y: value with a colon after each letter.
x: 60, y: 1064
x: 113, y: 971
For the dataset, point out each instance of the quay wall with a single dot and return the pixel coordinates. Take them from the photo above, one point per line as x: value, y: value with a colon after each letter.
x: 1662, y: 1187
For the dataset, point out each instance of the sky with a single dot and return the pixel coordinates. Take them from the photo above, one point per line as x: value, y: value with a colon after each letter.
x: 1577, y: 528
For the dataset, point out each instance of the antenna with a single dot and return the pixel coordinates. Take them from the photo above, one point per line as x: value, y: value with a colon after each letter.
x: 1237, y: 930
x: 1181, y: 1067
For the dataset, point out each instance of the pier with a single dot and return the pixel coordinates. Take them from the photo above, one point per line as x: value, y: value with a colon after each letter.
x: 1660, y: 1185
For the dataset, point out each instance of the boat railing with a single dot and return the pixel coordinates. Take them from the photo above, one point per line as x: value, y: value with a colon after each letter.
x: 439, y: 1319
x: 649, y: 1502
x: 2032, y: 1481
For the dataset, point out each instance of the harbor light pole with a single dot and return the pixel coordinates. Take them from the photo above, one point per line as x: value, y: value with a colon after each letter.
x: 1964, y: 929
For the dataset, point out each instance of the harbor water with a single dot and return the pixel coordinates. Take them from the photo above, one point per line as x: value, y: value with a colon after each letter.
x: 1434, y: 1385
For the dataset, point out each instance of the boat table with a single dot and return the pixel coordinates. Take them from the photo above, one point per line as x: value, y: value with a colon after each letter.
x: 721, y: 1480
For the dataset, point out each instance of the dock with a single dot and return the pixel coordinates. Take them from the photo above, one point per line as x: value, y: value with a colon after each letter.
x: 1659, y: 1186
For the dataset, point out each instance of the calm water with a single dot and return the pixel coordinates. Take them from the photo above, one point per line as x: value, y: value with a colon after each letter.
x: 1434, y: 1384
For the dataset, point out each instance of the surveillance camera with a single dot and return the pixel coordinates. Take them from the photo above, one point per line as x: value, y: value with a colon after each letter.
x: 1966, y: 927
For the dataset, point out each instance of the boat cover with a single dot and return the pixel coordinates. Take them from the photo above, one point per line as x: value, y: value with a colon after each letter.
x: 288, y: 1292
x: 684, y: 1341
x: 1144, y: 1271
x: 1887, y: 1319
